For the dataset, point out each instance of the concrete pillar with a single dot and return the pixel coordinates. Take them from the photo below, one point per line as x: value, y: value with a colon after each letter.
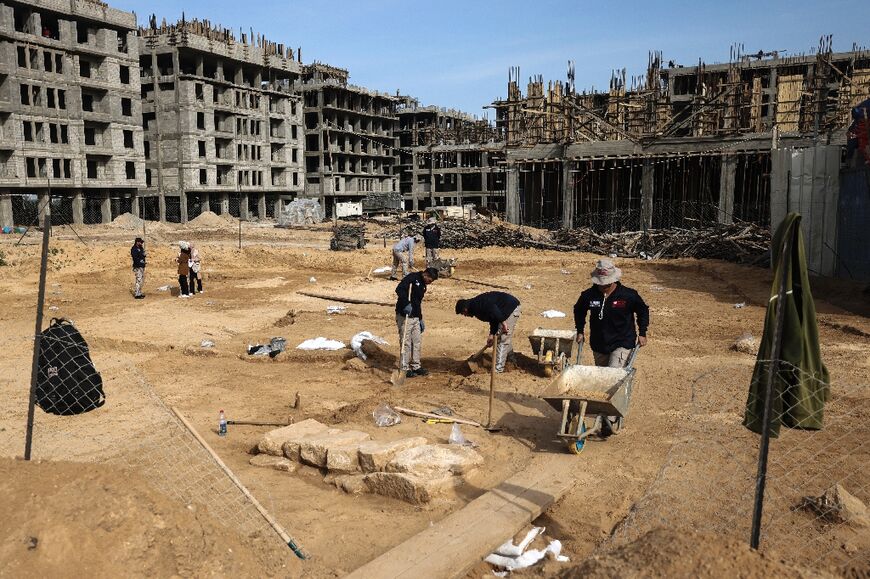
x: 205, y: 203
x: 134, y: 204
x: 78, y: 216
x: 6, y: 217
x: 647, y: 191
x: 261, y: 205
x: 105, y: 208
x: 726, y: 189
x: 567, y: 196
x: 182, y: 209
x: 279, y: 205
x: 512, y: 195
x: 243, y: 207
x: 161, y: 207
x: 225, y: 203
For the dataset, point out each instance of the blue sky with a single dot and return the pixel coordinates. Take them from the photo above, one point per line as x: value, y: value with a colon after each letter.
x: 457, y: 53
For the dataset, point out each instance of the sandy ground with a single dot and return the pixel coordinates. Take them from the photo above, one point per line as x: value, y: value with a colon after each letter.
x: 151, y: 348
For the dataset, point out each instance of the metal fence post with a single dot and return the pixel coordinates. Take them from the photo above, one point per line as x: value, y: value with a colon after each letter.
x: 37, y: 342
x: 761, y: 476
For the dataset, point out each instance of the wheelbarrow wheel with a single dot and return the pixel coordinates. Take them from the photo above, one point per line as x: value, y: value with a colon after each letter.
x: 576, y: 446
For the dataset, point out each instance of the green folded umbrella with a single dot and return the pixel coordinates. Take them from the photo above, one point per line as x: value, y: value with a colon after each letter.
x: 801, y: 384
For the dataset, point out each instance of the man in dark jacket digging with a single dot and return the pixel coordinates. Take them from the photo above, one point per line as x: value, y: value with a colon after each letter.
x: 409, y: 310
x: 502, y: 311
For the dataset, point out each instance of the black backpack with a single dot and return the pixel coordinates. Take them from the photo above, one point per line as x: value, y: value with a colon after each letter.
x: 67, y: 381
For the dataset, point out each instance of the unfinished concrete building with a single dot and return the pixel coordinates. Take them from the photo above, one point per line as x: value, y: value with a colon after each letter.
x: 350, y: 138
x: 447, y: 157
x: 223, y: 127
x: 676, y: 147
x: 70, y: 117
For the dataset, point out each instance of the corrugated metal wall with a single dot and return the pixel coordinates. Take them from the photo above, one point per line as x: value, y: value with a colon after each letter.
x: 853, y: 226
x: 807, y: 181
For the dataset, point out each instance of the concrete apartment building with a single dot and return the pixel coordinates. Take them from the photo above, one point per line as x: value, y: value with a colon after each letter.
x: 349, y: 138
x: 447, y: 157
x: 70, y: 115
x: 223, y: 126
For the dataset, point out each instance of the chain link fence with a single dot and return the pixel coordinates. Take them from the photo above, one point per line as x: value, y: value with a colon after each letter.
x: 112, y: 415
x: 709, y: 478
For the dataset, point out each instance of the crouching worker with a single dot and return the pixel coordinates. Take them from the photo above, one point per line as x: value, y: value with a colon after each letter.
x: 409, y: 318
x: 502, y: 311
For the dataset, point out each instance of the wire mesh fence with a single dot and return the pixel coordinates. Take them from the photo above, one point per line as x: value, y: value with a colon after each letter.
x: 110, y: 415
x: 709, y: 478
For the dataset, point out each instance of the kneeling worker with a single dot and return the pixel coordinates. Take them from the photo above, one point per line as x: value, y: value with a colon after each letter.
x: 612, y: 309
x: 501, y: 310
x: 409, y: 311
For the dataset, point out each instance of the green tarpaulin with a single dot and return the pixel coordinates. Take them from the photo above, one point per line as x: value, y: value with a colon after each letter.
x: 801, y: 384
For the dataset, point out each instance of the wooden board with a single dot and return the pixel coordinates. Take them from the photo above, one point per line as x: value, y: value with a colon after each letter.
x: 463, y: 539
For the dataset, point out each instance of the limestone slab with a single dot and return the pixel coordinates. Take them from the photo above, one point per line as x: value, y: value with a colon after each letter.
x: 408, y: 487
x: 343, y: 458
x: 374, y: 456
x: 314, y: 449
x: 273, y: 441
x: 436, y: 460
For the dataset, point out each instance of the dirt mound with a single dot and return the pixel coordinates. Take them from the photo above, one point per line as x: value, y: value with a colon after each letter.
x: 127, y: 221
x: 669, y: 553
x: 71, y: 519
x: 210, y: 219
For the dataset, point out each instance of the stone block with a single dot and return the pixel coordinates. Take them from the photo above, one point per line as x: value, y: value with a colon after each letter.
x: 314, y: 449
x: 407, y: 487
x: 374, y: 455
x: 273, y: 441
x: 270, y: 461
x: 352, y: 484
x: 434, y: 460
x: 343, y: 458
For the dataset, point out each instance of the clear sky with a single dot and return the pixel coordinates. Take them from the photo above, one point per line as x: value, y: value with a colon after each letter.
x: 456, y: 53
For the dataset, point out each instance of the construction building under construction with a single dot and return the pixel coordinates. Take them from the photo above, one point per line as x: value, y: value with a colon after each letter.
x: 223, y: 125
x: 350, y: 138
x: 746, y: 140
x: 70, y: 120
x: 447, y: 157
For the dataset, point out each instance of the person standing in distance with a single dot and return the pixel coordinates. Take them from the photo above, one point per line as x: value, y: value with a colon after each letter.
x: 137, y: 253
x: 432, y: 240
x: 614, y: 310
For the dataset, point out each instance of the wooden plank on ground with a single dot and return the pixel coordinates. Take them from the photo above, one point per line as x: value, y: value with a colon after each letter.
x: 461, y: 540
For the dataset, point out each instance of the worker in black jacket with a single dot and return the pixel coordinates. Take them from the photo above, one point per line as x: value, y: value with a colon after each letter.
x: 137, y: 253
x: 502, y: 311
x: 409, y: 311
x: 432, y: 240
x: 613, y: 312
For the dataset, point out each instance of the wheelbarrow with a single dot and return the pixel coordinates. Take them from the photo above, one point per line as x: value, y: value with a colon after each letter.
x: 553, y: 348
x: 595, y: 394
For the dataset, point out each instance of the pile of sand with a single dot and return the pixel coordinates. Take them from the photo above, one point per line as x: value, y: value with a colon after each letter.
x: 127, y: 221
x: 211, y: 219
x: 669, y: 553
x: 87, y: 520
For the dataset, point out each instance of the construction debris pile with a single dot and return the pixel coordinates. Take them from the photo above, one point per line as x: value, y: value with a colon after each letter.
x: 738, y: 242
x: 347, y: 237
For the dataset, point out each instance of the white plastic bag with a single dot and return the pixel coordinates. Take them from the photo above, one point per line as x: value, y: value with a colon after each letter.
x: 385, y: 416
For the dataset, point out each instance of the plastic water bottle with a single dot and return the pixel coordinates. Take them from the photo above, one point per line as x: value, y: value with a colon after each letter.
x: 222, y: 424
